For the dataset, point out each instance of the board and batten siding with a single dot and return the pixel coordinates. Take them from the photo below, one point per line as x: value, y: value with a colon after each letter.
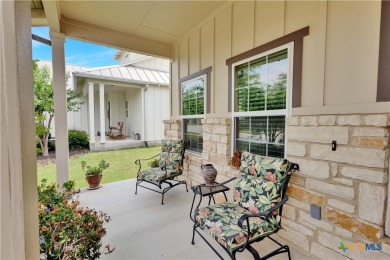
x: 340, y: 63
x: 156, y: 110
x: 134, y: 121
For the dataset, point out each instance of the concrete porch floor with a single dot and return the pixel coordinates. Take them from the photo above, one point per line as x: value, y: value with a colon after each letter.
x: 117, y: 144
x: 142, y: 228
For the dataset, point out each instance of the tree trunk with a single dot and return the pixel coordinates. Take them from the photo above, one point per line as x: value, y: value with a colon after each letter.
x: 45, y: 145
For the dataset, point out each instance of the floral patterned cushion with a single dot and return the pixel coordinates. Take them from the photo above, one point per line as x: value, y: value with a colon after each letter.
x: 171, y: 157
x: 156, y: 175
x: 221, y: 222
x: 256, y: 194
x: 273, y: 169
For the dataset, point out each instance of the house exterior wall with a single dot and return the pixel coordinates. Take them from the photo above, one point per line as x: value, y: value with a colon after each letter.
x: 340, y: 63
x: 338, y: 103
x: 134, y: 121
x: 156, y: 110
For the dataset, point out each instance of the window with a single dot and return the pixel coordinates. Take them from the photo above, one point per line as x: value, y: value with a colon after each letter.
x: 127, y: 109
x: 193, y: 110
x: 260, y: 98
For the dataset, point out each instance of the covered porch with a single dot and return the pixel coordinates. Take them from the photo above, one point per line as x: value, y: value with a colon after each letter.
x: 142, y: 228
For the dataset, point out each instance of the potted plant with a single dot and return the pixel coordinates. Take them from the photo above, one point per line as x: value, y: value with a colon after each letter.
x: 93, y: 174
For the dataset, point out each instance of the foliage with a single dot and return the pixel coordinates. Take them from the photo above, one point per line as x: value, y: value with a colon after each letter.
x: 78, y: 139
x: 94, y: 170
x: 155, y: 163
x: 44, y: 103
x: 67, y: 230
x: 122, y: 165
x: 38, y: 148
x: 193, y: 97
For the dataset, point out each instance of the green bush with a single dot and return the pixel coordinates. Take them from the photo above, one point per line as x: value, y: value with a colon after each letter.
x: 78, y: 139
x: 67, y: 230
x: 38, y: 148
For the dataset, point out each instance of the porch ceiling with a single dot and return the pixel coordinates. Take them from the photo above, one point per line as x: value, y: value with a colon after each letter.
x: 148, y: 27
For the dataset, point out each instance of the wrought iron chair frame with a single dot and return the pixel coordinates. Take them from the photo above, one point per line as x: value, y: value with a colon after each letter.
x: 292, y: 167
x: 169, y: 180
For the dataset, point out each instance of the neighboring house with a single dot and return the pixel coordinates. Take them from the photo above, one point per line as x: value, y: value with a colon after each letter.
x: 136, y: 93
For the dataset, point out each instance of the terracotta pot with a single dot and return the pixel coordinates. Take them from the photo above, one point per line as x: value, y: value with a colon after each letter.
x: 209, y: 173
x: 94, y: 181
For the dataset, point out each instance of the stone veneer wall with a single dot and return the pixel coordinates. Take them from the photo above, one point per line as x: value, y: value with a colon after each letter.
x: 349, y: 184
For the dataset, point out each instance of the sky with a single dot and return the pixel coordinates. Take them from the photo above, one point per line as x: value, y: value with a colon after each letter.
x: 76, y: 52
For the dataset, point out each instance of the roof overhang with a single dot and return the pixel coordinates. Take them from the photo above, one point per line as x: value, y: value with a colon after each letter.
x: 146, y: 27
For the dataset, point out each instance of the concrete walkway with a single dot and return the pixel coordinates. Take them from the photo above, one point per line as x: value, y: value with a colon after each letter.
x: 142, y: 228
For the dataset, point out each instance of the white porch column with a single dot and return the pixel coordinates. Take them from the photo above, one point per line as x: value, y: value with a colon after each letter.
x: 143, y: 112
x: 19, y: 236
x: 102, y: 115
x: 60, y: 107
x: 91, y: 114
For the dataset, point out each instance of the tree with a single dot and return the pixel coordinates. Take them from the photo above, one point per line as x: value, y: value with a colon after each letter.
x: 44, y: 103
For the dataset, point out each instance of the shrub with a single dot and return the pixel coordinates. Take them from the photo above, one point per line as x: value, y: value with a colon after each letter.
x: 78, y: 139
x: 67, y: 230
x: 38, y: 149
x: 155, y: 163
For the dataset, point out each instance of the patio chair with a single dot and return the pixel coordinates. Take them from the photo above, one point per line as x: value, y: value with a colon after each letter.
x: 116, y: 131
x: 170, y: 166
x: 259, y: 195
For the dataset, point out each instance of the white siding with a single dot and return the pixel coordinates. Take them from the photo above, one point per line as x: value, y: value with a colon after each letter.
x: 156, y: 110
x: 134, y: 121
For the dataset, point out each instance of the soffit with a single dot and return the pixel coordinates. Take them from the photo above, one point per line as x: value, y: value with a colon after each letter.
x: 126, y: 24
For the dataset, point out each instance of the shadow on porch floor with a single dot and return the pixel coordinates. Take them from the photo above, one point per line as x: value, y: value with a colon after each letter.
x: 142, y: 228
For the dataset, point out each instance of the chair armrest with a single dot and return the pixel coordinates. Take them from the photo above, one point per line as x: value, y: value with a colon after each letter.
x: 263, y: 214
x: 138, y: 161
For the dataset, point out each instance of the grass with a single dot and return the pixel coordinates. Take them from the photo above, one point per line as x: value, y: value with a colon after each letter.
x: 122, y: 165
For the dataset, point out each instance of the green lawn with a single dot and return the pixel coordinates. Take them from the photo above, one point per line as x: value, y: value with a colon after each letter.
x: 122, y: 165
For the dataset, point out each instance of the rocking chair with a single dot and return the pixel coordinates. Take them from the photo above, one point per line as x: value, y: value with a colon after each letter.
x: 170, y: 166
x: 256, y: 211
x: 115, y: 132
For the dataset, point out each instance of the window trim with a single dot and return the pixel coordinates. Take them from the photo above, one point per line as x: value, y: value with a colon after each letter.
x: 205, y: 74
x: 205, y: 106
x: 207, y: 71
x: 297, y: 38
x: 265, y: 113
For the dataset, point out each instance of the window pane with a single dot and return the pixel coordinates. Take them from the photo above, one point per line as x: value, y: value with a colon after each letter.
x: 242, y: 146
x: 276, y: 151
x: 241, y: 75
x: 193, y: 97
x: 261, y: 135
x: 242, y: 100
x: 276, y: 130
x: 194, y: 134
x: 257, y: 98
x: 258, y: 129
x: 266, y: 80
x: 257, y: 72
x: 258, y: 148
x: 243, y: 129
x: 277, y: 64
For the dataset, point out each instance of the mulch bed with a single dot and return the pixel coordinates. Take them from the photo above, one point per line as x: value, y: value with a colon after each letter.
x: 52, y: 156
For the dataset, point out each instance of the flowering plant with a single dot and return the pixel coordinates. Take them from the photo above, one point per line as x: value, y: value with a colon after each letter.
x: 93, y: 170
x: 67, y: 230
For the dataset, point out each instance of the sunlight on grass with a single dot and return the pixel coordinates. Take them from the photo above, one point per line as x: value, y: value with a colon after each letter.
x: 122, y: 165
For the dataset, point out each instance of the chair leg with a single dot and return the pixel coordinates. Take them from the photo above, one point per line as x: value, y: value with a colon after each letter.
x: 288, y: 252
x: 193, y: 234
x: 136, y: 187
x: 185, y: 183
x: 162, y: 201
x: 233, y: 256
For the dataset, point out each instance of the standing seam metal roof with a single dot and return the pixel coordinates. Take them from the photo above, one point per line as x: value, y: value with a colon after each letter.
x: 131, y: 73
